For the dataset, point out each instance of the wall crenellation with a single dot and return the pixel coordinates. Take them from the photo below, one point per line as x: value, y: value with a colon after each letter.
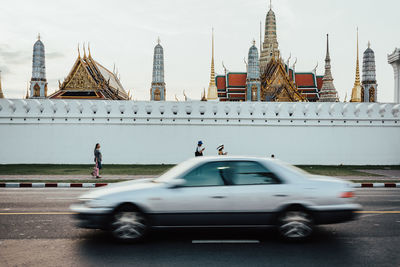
x: 10, y: 108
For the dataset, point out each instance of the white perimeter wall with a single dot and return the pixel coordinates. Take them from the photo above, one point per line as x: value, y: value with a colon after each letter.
x: 65, y: 131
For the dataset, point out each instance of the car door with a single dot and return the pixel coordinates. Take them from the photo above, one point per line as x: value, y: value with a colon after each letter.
x: 255, y: 193
x: 199, y: 201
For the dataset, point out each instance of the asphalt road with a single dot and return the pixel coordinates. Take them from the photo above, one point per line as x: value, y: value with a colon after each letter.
x: 35, y: 230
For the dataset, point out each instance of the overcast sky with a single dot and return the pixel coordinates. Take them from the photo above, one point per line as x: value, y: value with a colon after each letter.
x: 125, y: 32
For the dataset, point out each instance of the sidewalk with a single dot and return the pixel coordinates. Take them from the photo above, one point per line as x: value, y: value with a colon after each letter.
x: 72, y: 177
x: 132, y: 177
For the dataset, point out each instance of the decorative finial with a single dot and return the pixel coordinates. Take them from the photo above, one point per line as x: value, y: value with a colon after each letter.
x: 369, y: 44
x: 84, y: 50
x: 254, y: 41
x: 270, y: 4
x: 89, y: 50
x: 38, y: 36
x: 79, y: 52
x: 158, y: 40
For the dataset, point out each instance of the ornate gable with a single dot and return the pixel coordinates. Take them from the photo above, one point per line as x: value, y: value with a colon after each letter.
x: 276, y: 84
x: 79, y: 79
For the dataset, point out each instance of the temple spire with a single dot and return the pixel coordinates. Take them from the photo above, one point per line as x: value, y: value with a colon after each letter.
x: 1, y: 91
x: 357, y: 89
x: 270, y: 48
x: 212, y: 88
x: 328, y: 91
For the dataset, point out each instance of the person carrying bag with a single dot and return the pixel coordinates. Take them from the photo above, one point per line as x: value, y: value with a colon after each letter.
x: 97, y: 159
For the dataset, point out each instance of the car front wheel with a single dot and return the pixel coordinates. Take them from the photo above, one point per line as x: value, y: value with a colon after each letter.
x: 128, y: 224
x: 295, y: 225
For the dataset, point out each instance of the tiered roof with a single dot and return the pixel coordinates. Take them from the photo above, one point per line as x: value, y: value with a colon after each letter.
x: 88, y: 79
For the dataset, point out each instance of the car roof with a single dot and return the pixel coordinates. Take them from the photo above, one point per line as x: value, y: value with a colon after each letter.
x: 229, y: 158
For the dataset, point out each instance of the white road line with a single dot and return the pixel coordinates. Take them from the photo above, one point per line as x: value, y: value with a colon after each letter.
x: 225, y: 241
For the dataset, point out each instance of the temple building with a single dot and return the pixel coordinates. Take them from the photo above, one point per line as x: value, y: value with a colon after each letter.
x: 369, y: 76
x: 38, y: 86
x: 88, y: 79
x: 253, y: 80
x: 394, y: 60
x: 268, y: 78
x: 157, y: 91
x: 357, y: 91
x: 328, y: 91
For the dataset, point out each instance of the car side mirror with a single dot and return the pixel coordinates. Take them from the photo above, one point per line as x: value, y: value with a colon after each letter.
x: 176, y: 182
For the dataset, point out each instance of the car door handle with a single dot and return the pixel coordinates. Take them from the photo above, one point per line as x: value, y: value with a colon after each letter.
x: 218, y: 197
x: 280, y: 195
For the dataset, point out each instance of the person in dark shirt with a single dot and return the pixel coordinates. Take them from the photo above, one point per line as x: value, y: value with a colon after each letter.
x: 98, y: 159
x: 199, y: 149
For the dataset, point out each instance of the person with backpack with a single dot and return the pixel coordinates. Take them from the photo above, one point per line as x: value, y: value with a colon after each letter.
x: 199, y: 150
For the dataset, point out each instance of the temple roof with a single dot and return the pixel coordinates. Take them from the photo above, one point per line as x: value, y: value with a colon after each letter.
x: 305, y: 80
x: 89, y: 79
x: 237, y: 79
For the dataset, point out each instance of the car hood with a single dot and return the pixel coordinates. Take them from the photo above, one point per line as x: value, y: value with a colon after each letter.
x: 120, y: 187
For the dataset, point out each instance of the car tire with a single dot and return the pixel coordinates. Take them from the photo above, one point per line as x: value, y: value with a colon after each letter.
x: 128, y: 224
x: 295, y: 225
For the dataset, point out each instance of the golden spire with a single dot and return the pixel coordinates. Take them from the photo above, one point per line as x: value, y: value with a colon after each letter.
x: 1, y: 91
x: 38, y: 36
x: 212, y: 88
x: 357, y: 82
x: 27, y: 90
x: 356, y: 92
x: 212, y: 80
x: 79, y: 52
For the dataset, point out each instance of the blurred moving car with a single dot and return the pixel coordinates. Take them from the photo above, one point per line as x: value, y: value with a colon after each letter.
x: 219, y: 192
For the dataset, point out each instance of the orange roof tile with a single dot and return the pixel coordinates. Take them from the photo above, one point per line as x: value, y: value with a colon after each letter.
x: 221, y: 84
x: 237, y: 79
x: 305, y: 80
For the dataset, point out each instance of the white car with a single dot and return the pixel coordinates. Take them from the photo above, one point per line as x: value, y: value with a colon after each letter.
x: 219, y: 192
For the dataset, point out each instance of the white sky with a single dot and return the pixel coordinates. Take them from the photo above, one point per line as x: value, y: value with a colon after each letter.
x: 125, y: 32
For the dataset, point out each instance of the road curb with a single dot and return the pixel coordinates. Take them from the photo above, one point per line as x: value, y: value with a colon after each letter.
x: 52, y: 185
x: 94, y: 185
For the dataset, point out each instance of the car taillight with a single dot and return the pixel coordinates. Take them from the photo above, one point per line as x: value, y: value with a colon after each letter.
x: 347, y: 195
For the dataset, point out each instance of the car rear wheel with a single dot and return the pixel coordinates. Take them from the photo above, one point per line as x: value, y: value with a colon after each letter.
x: 295, y: 225
x: 128, y: 224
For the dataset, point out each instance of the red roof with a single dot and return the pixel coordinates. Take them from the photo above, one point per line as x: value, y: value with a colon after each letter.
x: 237, y: 79
x: 221, y: 84
x: 305, y: 80
x: 291, y: 74
x: 319, y: 82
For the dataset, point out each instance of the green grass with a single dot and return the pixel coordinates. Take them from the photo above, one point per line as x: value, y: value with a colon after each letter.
x: 47, y: 169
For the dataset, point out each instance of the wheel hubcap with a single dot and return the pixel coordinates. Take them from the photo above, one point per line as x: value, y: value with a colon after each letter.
x: 128, y: 225
x: 296, y: 224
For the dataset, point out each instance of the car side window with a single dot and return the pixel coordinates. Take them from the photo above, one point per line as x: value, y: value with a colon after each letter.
x: 252, y: 173
x: 208, y: 174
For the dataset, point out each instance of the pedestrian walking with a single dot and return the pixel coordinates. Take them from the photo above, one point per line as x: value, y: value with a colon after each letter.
x: 199, y: 150
x: 97, y: 159
x: 221, y: 152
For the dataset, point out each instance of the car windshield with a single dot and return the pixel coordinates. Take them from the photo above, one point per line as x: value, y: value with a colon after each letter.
x: 174, y: 171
